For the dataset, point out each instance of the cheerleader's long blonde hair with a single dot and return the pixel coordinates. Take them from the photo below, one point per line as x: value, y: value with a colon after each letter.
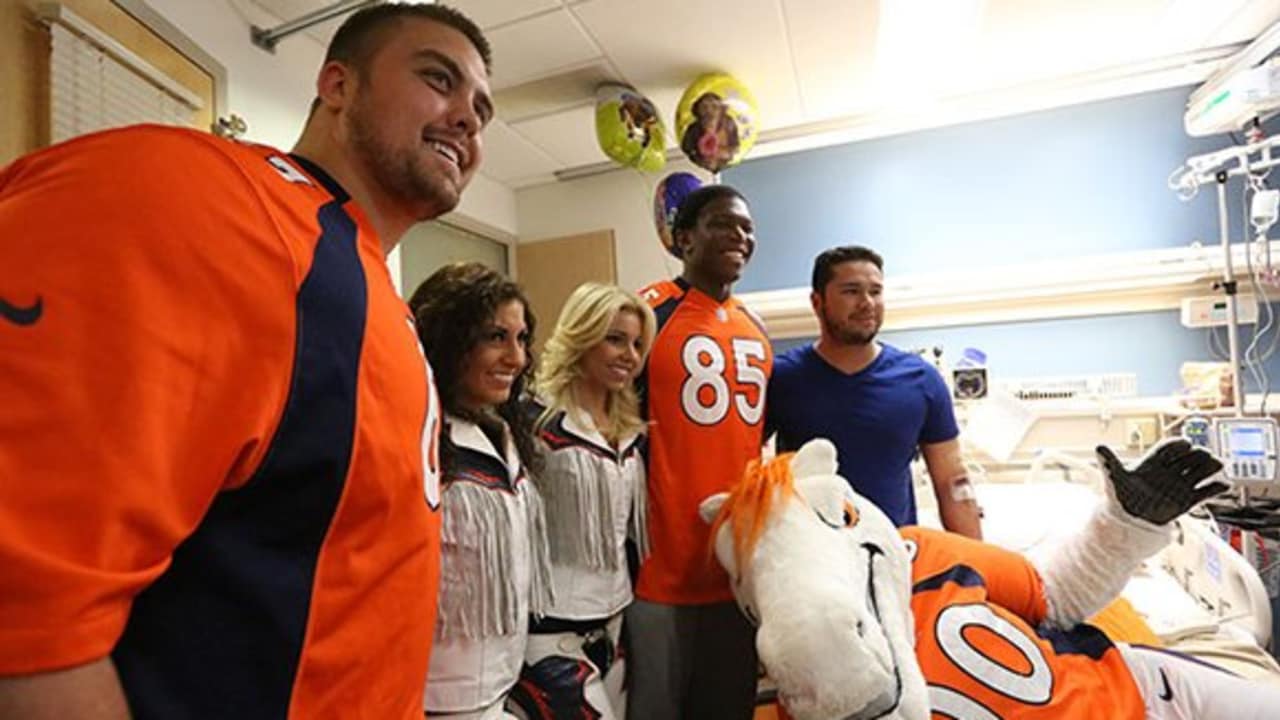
x: 584, y: 322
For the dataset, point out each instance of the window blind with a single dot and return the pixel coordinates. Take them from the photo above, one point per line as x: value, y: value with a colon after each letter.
x: 96, y: 84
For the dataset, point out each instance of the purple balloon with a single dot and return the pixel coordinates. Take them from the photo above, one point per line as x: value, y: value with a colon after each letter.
x: 672, y: 191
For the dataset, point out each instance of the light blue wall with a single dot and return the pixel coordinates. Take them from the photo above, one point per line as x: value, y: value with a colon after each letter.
x: 1151, y: 344
x: 1083, y: 180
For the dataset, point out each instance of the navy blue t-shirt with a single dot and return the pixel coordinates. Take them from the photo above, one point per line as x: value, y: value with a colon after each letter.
x: 876, y: 417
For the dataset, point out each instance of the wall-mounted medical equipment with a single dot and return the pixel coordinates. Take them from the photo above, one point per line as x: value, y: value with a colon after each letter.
x: 969, y: 383
x: 1198, y: 430
x: 1234, y: 101
x: 1211, y: 311
x: 969, y: 379
x: 1246, y: 87
x: 1247, y: 448
x: 1105, y: 385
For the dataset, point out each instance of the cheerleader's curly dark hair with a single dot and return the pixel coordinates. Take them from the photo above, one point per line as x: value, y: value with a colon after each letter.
x: 454, y: 309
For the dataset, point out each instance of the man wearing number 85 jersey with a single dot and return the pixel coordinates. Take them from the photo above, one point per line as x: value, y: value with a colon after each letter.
x: 692, y: 652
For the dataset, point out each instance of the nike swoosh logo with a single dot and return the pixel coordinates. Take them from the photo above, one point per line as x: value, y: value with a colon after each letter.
x: 21, y: 315
x: 1167, y: 693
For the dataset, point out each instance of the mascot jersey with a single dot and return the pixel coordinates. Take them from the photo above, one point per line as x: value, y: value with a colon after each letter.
x: 204, y: 473
x: 704, y: 394
x: 977, y: 612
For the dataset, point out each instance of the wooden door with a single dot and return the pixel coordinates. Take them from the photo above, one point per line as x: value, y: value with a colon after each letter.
x: 550, y: 269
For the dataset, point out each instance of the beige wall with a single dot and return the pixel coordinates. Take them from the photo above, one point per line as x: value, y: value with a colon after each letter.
x: 271, y: 91
x: 621, y: 201
x: 429, y: 246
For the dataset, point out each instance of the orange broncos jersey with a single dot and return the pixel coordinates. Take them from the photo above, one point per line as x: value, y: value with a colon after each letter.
x: 705, y: 392
x: 977, y: 612
x: 214, y: 420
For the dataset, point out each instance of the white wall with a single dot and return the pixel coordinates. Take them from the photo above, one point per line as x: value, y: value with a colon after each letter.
x: 272, y: 92
x: 621, y: 200
x: 488, y: 207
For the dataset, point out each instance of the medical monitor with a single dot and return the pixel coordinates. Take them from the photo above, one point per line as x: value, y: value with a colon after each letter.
x: 1247, y: 448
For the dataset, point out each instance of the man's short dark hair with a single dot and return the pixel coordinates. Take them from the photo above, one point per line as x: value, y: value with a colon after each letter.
x: 360, y: 34
x: 691, y: 206
x: 824, y: 266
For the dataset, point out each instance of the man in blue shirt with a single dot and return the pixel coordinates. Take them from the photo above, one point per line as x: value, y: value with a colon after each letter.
x: 875, y: 402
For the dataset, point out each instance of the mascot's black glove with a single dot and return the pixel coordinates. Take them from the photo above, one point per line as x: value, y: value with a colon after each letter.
x: 1166, y: 482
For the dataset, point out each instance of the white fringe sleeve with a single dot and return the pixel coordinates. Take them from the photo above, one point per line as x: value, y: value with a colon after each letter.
x: 1091, y: 568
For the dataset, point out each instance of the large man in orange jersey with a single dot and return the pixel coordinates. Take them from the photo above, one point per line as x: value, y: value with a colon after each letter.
x: 217, y: 483
x: 859, y: 622
x: 693, y: 654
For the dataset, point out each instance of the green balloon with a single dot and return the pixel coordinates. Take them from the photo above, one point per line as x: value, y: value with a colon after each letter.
x: 629, y: 129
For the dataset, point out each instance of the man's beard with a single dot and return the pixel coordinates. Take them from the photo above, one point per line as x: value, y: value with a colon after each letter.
x: 839, y: 331
x: 396, y: 170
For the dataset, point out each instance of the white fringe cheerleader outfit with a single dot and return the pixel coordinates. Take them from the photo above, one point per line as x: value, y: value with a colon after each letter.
x: 595, y: 499
x: 494, y: 574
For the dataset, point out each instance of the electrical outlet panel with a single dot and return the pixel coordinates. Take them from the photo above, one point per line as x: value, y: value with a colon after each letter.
x: 1140, y: 432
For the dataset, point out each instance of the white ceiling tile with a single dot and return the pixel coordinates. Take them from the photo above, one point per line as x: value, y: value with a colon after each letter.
x: 835, y: 51
x: 537, y: 47
x: 924, y: 50
x: 1247, y: 23
x: 569, y: 136
x: 665, y: 99
x: 1186, y: 23
x: 1022, y: 41
x: 665, y: 44
x: 806, y: 61
x: 282, y: 11
x: 485, y: 13
x: 508, y: 157
x: 551, y: 94
x: 290, y: 9
x: 488, y: 13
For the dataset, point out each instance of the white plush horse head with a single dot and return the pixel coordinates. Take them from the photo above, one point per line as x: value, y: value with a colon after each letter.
x: 827, y: 578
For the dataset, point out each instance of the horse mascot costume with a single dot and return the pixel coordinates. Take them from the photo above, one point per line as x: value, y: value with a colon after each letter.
x: 858, y: 620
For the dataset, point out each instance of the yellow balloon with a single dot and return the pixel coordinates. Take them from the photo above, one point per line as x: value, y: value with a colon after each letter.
x: 716, y: 121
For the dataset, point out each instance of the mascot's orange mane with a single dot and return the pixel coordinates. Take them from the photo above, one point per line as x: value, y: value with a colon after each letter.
x: 750, y: 502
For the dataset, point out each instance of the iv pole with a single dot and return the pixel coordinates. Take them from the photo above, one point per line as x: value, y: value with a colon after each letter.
x: 1230, y: 290
x: 1215, y: 167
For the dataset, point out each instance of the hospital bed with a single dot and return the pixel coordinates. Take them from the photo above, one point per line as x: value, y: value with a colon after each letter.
x: 1198, y: 595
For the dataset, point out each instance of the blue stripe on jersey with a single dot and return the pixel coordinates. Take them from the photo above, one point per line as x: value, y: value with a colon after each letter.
x: 240, y: 586
x: 668, y: 307
x: 1082, y: 639
x: 961, y: 575
x: 663, y: 313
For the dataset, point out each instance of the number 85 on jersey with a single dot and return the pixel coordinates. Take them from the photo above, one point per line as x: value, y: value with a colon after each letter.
x: 716, y: 385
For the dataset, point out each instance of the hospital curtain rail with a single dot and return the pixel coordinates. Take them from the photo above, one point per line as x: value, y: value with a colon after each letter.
x: 96, y: 84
